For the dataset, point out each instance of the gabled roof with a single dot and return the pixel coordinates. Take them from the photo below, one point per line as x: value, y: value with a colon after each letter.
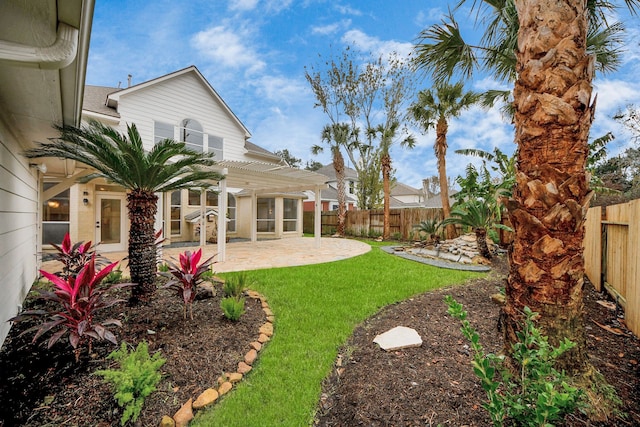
x: 95, y: 98
x: 330, y: 172
x: 113, y: 98
x: 253, y: 149
x: 400, y: 189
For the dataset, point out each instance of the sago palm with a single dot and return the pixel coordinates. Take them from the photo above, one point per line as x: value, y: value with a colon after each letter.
x: 120, y: 158
x: 433, y: 109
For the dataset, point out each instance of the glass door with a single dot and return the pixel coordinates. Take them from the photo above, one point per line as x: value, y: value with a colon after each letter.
x: 111, y: 222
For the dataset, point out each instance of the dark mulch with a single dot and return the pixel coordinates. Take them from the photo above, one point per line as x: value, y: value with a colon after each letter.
x: 434, y: 385
x: 40, y: 387
x: 423, y: 386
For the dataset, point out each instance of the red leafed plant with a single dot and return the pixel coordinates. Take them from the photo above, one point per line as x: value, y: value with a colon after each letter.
x: 76, y: 300
x: 75, y: 256
x: 185, y: 278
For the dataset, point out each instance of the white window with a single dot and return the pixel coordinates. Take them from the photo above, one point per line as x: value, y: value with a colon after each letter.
x: 266, y: 222
x: 290, y: 215
x: 176, y: 213
x: 191, y: 134
x: 55, y: 216
x: 216, y: 146
x: 162, y: 131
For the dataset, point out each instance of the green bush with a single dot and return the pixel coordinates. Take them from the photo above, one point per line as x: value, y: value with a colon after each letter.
x: 538, y: 395
x: 233, y: 308
x: 135, y: 379
x: 234, y: 285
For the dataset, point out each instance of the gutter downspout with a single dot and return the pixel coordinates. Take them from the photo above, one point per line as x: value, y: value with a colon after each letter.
x: 60, y: 54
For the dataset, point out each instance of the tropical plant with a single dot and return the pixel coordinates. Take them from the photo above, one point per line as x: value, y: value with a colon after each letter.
x: 433, y: 109
x: 76, y: 301
x: 185, y: 277
x: 429, y: 228
x: 121, y: 158
x: 75, y: 256
x: 554, y: 46
x: 539, y: 395
x: 235, y: 285
x: 135, y: 379
x: 478, y: 215
x: 232, y: 308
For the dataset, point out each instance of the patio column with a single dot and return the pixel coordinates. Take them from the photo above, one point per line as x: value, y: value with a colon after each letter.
x: 222, y: 217
x: 317, y: 218
x: 203, y: 220
x: 254, y: 216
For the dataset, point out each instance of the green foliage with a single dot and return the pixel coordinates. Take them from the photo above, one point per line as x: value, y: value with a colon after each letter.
x: 233, y: 308
x: 428, y: 229
x: 115, y: 276
x: 538, y: 395
x: 234, y: 285
x: 163, y: 268
x: 135, y: 379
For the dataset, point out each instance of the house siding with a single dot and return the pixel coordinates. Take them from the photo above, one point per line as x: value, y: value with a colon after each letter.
x: 19, y: 231
x: 179, y: 98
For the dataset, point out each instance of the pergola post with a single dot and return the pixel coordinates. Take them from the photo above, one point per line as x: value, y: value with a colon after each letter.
x: 222, y: 217
x: 254, y: 216
x: 317, y: 218
x: 203, y: 220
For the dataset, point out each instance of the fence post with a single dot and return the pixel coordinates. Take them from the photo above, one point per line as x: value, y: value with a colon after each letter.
x: 632, y: 312
x: 593, y: 246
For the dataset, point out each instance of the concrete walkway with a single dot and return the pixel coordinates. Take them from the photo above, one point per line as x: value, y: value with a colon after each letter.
x: 262, y: 254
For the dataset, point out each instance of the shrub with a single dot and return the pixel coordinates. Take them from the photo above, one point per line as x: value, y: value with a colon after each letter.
x: 75, y: 256
x: 185, y: 278
x: 233, y: 308
x: 76, y: 302
x: 134, y: 380
x: 235, y: 285
x: 115, y: 276
x: 538, y: 395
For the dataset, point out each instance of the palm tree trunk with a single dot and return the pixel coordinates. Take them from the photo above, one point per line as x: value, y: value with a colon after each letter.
x: 441, y: 154
x: 386, y: 172
x: 551, y: 195
x: 338, y: 164
x: 481, y: 241
x: 142, y: 206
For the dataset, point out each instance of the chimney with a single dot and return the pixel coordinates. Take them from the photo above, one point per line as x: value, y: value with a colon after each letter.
x: 129, y: 76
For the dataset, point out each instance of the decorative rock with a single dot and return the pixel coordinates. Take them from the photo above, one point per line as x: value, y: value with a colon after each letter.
x: 251, y: 356
x: 234, y: 377
x: 184, y: 414
x: 263, y: 338
x: 256, y: 346
x: 271, y: 319
x: 243, y: 368
x: 223, y: 379
x: 225, y: 387
x: 398, y: 338
x: 498, y: 299
x: 265, y: 304
x: 253, y: 294
x: 205, y: 290
x: 267, y: 311
x: 167, y: 421
x: 267, y: 329
x: 206, y: 398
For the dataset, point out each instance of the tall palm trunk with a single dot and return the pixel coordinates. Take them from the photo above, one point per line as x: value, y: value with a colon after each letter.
x: 338, y: 164
x: 143, y: 206
x: 481, y: 241
x: 386, y: 188
x: 441, y: 153
x: 553, y: 116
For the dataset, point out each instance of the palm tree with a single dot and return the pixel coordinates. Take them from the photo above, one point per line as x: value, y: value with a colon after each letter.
x: 121, y: 158
x: 434, y: 109
x: 479, y: 216
x: 336, y: 136
x: 553, y: 45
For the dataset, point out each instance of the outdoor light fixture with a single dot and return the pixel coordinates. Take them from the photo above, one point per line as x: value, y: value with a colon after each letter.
x: 85, y: 200
x: 39, y: 166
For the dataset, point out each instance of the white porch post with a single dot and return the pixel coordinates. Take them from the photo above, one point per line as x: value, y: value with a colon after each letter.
x: 203, y: 220
x: 222, y: 217
x: 254, y: 216
x: 317, y: 218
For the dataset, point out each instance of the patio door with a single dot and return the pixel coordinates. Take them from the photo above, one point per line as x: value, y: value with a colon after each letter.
x: 111, y: 222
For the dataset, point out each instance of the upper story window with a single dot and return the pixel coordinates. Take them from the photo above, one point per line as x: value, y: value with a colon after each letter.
x: 191, y: 134
x: 352, y: 187
x: 216, y: 146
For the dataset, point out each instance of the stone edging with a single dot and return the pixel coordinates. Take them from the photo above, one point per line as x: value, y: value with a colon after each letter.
x: 435, y: 262
x: 183, y: 417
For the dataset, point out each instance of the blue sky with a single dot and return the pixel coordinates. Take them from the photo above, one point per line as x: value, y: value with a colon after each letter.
x: 254, y: 53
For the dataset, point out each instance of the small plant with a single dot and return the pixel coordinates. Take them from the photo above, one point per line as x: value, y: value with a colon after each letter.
x: 136, y: 378
x: 538, y: 395
x: 184, y: 278
x: 235, y: 285
x: 75, y: 256
x: 115, y: 276
x: 77, y: 300
x: 429, y: 229
x: 233, y: 308
x: 163, y: 268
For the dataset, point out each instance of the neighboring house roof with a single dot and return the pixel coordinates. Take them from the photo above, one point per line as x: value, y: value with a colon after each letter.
x: 330, y: 171
x: 332, y: 194
x: 95, y: 100
x: 400, y: 189
x: 436, y: 201
x: 113, y: 98
x: 261, y: 152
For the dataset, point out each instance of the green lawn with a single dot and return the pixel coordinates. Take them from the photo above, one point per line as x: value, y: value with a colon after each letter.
x: 316, y: 308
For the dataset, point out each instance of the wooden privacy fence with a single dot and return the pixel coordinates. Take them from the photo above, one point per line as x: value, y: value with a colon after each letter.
x: 370, y: 222
x: 612, y: 255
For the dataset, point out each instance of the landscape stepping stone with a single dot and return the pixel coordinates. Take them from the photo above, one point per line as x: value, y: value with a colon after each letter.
x: 398, y: 338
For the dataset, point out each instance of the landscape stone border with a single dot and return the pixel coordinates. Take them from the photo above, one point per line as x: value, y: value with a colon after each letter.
x: 435, y: 262
x: 184, y: 415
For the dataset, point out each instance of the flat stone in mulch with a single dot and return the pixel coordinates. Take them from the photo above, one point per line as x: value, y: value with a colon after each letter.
x: 435, y: 262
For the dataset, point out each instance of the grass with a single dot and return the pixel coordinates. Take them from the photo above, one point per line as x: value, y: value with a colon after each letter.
x: 316, y: 308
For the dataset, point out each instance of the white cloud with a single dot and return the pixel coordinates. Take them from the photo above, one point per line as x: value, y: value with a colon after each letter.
x: 329, y: 29
x: 429, y: 17
x: 278, y: 5
x: 375, y: 45
x: 228, y: 48
x: 282, y: 90
x: 242, y: 5
x: 348, y: 10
